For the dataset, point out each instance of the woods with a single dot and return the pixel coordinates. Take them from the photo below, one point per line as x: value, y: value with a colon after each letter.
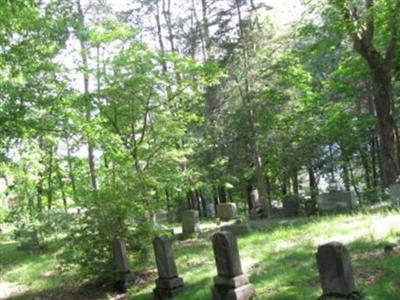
x: 118, y: 116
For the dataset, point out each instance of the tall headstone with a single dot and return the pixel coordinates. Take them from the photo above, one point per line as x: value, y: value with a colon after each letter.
x: 190, y: 222
x: 230, y: 283
x: 124, y: 274
x: 335, y: 272
x: 168, y: 282
x: 226, y: 211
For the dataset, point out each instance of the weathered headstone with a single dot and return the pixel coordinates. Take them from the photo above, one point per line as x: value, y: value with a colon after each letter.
x: 124, y: 274
x: 210, y: 210
x: 237, y: 228
x: 394, y: 192
x: 257, y: 208
x: 335, y: 272
x: 226, y: 211
x: 230, y: 283
x: 336, y: 201
x: 291, y: 206
x: 190, y: 222
x: 168, y: 283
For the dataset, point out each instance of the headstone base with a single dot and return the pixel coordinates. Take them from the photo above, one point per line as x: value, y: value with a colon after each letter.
x: 123, y: 281
x: 257, y: 212
x: 354, y: 296
x: 167, y: 288
x: 236, y: 288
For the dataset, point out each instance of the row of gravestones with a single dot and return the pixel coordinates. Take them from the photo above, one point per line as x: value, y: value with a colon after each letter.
x: 333, y: 262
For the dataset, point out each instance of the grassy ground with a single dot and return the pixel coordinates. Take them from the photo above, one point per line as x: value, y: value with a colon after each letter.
x: 278, y: 256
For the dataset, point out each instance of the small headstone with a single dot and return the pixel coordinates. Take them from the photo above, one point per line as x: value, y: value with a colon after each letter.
x: 123, y: 272
x: 291, y: 206
x: 335, y: 272
x: 210, y: 210
x: 237, y: 228
x: 394, y: 193
x: 168, y: 283
x: 230, y: 283
x: 190, y: 222
x: 227, y: 211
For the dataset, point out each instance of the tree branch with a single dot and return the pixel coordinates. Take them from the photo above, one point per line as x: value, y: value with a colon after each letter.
x: 391, y: 51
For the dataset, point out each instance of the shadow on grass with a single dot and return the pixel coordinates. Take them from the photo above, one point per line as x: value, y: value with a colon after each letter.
x: 11, y: 257
x: 294, y: 275
x: 67, y: 293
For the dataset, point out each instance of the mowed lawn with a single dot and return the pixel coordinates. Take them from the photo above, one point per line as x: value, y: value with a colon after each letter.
x: 278, y: 255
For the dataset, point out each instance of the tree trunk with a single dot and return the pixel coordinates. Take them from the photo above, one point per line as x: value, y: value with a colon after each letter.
x: 61, y: 184
x: 366, y: 166
x: 71, y: 173
x: 50, y: 180
x: 346, y: 177
x: 249, y: 111
x: 295, y: 183
x: 382, y: 86
x: 222, y: 194
x: 312, y: 184
x: 85, y: 63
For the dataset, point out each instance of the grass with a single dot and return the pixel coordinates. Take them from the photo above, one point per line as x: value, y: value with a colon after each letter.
x: 279, y: 258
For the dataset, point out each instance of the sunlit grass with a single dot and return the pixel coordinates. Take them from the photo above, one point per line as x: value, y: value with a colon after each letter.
x: 280, y: 259
x: 278, y: 256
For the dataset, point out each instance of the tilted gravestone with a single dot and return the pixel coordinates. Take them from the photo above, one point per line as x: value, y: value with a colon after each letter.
x: 190, y: 222
x: 226, y: 211
x: 230, y: 283
x: 335, y: 272
x: 168, y: 283
x: 124, y: 274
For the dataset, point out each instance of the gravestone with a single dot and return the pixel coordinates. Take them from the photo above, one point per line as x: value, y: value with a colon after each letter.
x: 335, y: 272
x: 190, y: 222
x: 210, y: 210
x: 257, y: 208
x: 394, y: 193
x: 123, y: 273
x: 29, y: 240
x: 226, y: 211
x: 230, y: 283
x: 168, y: 283
x: 291, y: 206
x: 237, y: 228
x: 336, y: 201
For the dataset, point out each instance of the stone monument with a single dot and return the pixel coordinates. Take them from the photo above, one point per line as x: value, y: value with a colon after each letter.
x: 168, y: 283
x: 230, y: 283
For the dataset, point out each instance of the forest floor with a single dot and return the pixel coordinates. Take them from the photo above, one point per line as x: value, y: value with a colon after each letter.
x: 278, y: 255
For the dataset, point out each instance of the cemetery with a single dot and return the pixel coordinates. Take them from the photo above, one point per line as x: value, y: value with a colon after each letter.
x: 346, y: 256
x: 199, y: 150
